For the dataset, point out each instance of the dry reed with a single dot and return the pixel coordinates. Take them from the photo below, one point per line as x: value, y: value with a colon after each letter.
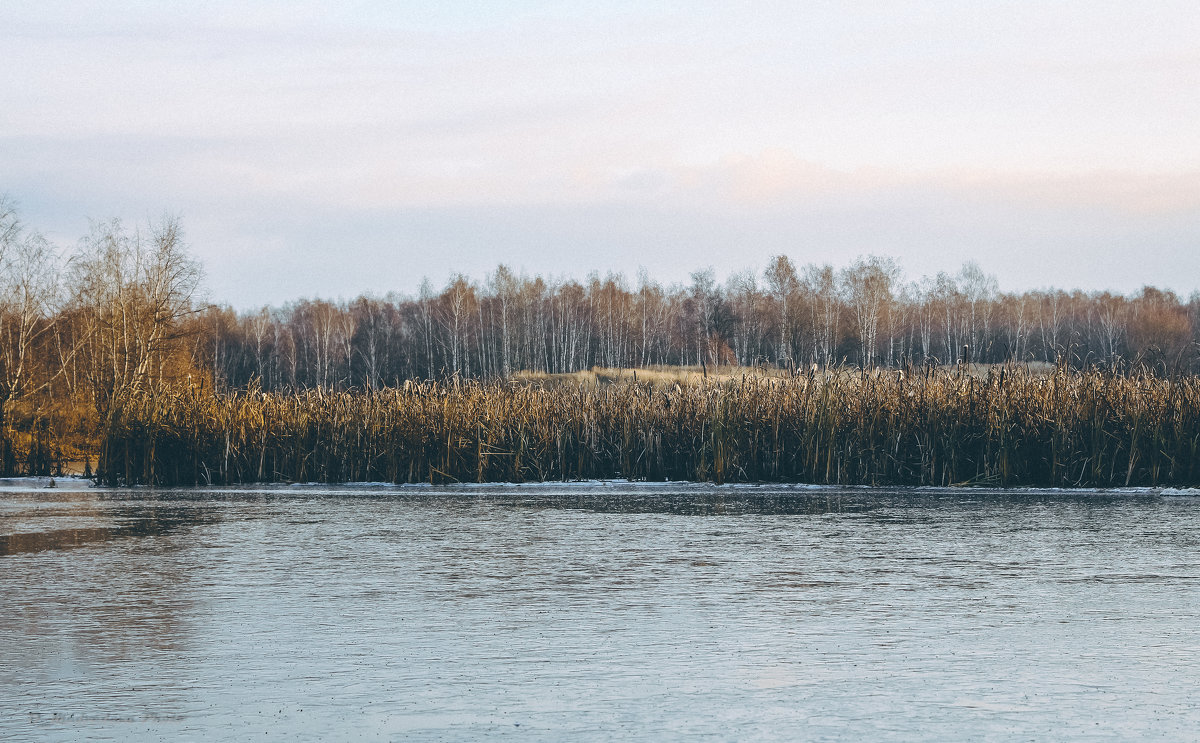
x: 1008, y: 428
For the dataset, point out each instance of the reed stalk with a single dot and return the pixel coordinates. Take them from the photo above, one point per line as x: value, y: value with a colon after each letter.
x: 1012, y: 428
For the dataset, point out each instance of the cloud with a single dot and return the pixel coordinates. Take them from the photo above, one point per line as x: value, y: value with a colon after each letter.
x: 562, y: 138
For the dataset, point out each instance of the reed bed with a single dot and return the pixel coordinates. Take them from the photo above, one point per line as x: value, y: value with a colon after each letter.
x: 1008, y: 428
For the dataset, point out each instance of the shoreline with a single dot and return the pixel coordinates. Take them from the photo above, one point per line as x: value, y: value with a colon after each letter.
x: 73, y: 484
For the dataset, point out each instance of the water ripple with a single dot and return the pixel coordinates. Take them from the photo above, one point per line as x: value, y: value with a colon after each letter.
x: 554, y: 612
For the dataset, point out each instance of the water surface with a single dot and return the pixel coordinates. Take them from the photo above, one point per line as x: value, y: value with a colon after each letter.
x: 597, y: 612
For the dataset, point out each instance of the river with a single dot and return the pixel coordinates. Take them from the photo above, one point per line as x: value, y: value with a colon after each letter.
x: 597, y: 611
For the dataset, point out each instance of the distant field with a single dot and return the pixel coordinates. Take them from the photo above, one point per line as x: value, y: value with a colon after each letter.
x: 654, y: 375
x: 666, y: 376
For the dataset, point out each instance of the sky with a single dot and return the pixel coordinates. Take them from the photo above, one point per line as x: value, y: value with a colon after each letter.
x: 331, y: 149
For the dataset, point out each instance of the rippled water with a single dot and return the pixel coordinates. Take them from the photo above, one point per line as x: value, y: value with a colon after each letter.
x: 597, y: 612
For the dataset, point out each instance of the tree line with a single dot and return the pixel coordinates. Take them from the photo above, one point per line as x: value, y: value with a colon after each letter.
x: 119, y: 313
x: 786, y: 316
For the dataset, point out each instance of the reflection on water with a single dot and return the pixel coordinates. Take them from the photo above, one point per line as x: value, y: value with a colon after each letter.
x: 651, y: 612
x: 127, y: 522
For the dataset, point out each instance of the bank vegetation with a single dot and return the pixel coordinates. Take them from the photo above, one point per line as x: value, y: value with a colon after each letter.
x: 112, y: 362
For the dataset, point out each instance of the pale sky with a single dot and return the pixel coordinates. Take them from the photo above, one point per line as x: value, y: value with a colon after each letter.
x: 337, y: 148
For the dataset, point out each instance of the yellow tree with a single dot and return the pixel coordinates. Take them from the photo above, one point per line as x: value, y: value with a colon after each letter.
x: 134, y: 290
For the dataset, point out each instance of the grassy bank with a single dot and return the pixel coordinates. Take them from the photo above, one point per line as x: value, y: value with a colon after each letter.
x: 1010, y: 427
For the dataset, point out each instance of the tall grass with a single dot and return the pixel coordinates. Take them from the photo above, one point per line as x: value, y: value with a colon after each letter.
x: 1008, y: 428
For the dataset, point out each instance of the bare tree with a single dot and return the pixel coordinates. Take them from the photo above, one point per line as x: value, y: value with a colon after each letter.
x: 980, y: 291
x: 458, y: 305
x: 868, y: 288
x: 1051, y: 318
x: 1106, y: 315
x: 820, y: 282
x: 135, y: 290
x: 28, y: 291
x: 783, y: 283
x: 505, y: 286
